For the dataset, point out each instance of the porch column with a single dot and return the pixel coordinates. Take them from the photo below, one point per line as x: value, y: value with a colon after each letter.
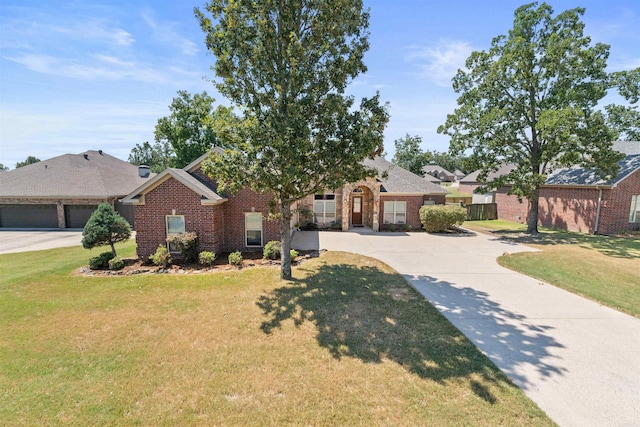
x: 346, y: 207
x: 376, y: 209
x: 62, y: 223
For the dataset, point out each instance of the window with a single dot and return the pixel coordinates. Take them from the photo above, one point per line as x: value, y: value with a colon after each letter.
x: 175, y: 225
x: 395, y: 212
x: 634, y: 214
x: 253, y: 229
x: 324, y: 209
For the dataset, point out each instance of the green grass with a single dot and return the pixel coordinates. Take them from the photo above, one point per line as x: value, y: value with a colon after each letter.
x: 347, y: 342
x: 602, y: 268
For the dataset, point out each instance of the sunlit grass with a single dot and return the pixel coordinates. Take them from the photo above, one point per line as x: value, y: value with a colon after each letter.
x: 348, y: 342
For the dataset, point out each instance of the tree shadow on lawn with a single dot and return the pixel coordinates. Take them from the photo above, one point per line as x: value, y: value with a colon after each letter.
x: 618, y: 247
x: 364, y: 313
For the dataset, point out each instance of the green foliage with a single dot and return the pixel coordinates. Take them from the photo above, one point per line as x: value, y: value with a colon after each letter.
x: 3, y: 167
x: 162, y: 257
x: 116, y: 263
x: 105, y: 227
x: 626, y: 119
x: 288, y: 65
x: 530, y: 101
x: 409, y: 154
x: 158, y: 156
x: 272, y: 250
x: 293, y: 253
x: 188, y: 243
x: 28, y: 161
x: 206, y: 258
x: 235, y: 258
x: 101, y: 262
x: 439, y: 218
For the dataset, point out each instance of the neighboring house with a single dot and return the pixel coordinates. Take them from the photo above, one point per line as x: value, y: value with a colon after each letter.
x: 577, y: 199
x: 182, y: 200
x: 439, y: 172
x: 63, y: 192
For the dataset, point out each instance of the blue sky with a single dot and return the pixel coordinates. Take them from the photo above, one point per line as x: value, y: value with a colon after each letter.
x: 95, y: 74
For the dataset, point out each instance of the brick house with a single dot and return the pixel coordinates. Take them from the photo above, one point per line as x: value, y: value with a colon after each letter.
x: 63, y: 192
x: 577, y: 199
x: 182, y: 200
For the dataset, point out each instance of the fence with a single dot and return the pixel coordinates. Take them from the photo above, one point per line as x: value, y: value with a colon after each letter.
x: 482, y: 211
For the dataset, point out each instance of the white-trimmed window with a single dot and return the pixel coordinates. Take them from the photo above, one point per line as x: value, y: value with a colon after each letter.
x: 634, y: 213
x: 395, y: 212
x: 324, y: 209
x: 253, y: 229
x: 175, y: 225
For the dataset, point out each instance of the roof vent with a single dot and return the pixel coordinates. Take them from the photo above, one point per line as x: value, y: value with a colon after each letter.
x: 143, y: 171
x: 100, y: 152
x: 86, y: 156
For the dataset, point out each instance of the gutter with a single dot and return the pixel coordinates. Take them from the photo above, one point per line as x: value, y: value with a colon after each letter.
x: 595, y: 230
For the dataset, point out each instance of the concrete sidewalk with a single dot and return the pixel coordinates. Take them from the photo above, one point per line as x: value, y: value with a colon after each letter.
x: 579, y: 361
x: 12, y: 241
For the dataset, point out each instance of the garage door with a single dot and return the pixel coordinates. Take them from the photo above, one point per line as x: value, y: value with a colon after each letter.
x: 28, y: 216
x: 76, y: 216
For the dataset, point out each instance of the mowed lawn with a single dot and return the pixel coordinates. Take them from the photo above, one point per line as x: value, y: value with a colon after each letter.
x: 347, y: 342
x: 605, y: 269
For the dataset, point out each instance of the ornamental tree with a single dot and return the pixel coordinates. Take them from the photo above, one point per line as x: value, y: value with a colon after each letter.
x: 105, y: 227
x: 287, y: 65
x: 530, y: 101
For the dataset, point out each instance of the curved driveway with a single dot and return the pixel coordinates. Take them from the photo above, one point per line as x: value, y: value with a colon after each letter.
x: 579, y: 361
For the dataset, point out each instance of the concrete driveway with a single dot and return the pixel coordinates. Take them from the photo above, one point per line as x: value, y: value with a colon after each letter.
x: 31, y: 240
x: 579, y: 361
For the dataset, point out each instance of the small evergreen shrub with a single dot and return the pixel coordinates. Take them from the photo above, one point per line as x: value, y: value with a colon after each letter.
x: 187, y: 243
x: 438, y: 218
x: 100, y: 262
x: 272, y: 250
x: 335, y: 226
x: 162, y: 257
x: 235, y: 258
x: 116, y: 263
x: 206, y: 258
x: 293, y: 254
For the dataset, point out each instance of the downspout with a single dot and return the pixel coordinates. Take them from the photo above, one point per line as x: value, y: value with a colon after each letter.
x: 595, y: 230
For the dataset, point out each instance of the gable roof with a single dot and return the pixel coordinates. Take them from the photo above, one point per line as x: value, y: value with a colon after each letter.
x: 502, y: 170
x: 582, y: 176
x: 92, y: 174
x: 399, y: 180
x: 205, y: 190
x: 437, y: 170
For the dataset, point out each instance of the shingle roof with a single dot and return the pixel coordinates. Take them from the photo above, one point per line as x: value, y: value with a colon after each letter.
x: 205, y: 190
x: 399, y: 180
x: 436, y: 169
x: 627, y: 147
x: 99, y: 175
x: 582, y: 176
x: 502, y: 170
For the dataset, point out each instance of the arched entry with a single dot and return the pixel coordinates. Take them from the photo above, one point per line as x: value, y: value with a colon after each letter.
x: 360, y: 206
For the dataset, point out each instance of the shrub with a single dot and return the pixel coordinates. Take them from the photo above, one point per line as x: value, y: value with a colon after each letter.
x: 100, y: 262
x: 116, y: 263
x: 335, y: 226
x: 272, y: 250
x: 293, y: 254
x: 105, y: 227
x: 235, y: 258
x: 438, y: 218
x: 162, y: 257
x: 206, y: 258
x: 187, y: 243
x: 311, y: 226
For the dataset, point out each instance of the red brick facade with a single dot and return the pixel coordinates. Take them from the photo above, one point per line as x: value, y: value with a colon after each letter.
x: 575, y: 208
x: 219, y: 227
x: 414, y: 203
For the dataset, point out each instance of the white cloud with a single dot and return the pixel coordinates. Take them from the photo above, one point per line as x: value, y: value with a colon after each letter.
x: 439, y: 63
x: 167, y: 33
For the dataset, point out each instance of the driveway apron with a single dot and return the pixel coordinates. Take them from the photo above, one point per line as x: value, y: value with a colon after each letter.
x: 579, y: 361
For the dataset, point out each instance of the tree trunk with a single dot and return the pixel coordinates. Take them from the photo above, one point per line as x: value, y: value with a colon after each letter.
x: 113, y: 249
x: 285, y: 239
x: 532, y: 222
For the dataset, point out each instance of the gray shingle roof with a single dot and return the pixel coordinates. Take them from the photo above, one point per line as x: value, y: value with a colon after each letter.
x: 582, y: 176
x: 627, y: 147
x: 502, y: 170
x: 436, y: 169
x: 99, y: 175
x: 399, y: 180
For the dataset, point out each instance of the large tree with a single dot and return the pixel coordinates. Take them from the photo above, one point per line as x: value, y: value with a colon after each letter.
x: 625, y: 119
x: 530, y: 101
x: 409, y: 154
x: 28, y: 161
x: 287, y: 65
x: 184, y: 135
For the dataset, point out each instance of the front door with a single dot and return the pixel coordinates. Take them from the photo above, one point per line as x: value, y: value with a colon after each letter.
x: 356, y: 211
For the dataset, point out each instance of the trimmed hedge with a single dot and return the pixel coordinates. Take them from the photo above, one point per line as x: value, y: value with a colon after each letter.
x: 439, y: 218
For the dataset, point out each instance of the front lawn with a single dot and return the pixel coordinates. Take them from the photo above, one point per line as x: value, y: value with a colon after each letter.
x: 348, y: 342
x: 603, y: 268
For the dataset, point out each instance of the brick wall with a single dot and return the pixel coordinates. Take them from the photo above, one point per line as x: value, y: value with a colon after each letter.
x: 414, y: 203
x: 616, y: 204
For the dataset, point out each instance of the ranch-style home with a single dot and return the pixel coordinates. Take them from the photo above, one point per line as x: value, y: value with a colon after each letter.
x: 576, y: 199
x: 183, y: 200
